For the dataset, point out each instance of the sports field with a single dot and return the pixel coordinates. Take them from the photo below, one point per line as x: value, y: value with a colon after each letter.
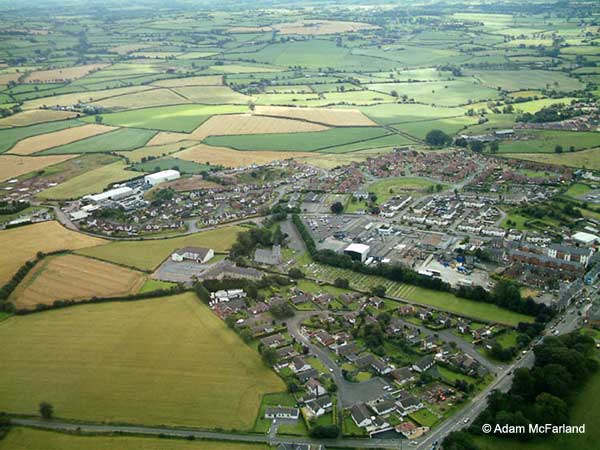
x: 22, y: 244
x: 163, y: 361
x: 73, y: 277
x: 32, y: 439
x: 148, y: 254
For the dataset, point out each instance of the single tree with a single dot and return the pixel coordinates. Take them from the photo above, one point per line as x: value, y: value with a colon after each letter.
x: 46, y: 410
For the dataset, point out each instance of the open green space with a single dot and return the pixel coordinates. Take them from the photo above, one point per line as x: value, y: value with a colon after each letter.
x: 68, y: 357
x: 545, y: 141
x: 390, y: 187
x: 181, y: 165
x: 117, y: 140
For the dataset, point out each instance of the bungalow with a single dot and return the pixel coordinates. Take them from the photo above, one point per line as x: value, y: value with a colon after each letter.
x: 360, y: 415
x: 259, y: 308
x: 407, y: 310
x: 424, y: 314
x: 350, y: 317
x: 286, y: 352
x: 282, y: 413
x: 323, y: 299
x: 299, y: 365
x: 428, y: 343
x: 445, y: 320
x: 481, y: 333
x: 364, y: 361
x: 273, y: 341
x: 314, y: 387
x: 377, y: 302
x: 345, y: 349
x: 349, y: 298
x: 300, y: 297
x: 307, y: 375
x: 463, y: 327
x: 324, y: 338
x: 319, y: 406
x: 383, y: 407
x: 423, y: 364
x: 381, y: 367
x: 408, y: 403
x: 402, y: 375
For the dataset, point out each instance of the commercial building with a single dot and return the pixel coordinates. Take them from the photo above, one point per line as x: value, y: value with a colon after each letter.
x: 112, y: 194
x: 160, y: 177
x: 358, y: 252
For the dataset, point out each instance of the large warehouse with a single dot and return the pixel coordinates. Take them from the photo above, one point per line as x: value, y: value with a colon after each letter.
x: 359, y: 252
x: 159, y: 177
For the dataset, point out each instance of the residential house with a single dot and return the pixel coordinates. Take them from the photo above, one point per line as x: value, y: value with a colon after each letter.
x: 423, y: 364
x: 299, y: 364
x: 360, y: 415
x: 383, y: 407
x: 315, y: 388
x: 320, y: 405
x: 279, y: 412
x: 402, y: 375
x: 408, y: 403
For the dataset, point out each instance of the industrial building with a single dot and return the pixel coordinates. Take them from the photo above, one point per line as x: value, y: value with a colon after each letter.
x: 160, y: 177
x: 358, y: 252
x: 198, y: 254
x: 112, y: 194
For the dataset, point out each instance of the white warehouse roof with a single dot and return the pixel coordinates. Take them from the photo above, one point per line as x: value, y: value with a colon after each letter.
x: 358, y: 248
x: 585, y: 238
x: 114, y: 194
x: 164, y: 175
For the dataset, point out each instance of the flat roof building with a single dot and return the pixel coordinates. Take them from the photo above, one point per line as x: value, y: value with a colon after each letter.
x: 159, y: 177
x: 358, y: 252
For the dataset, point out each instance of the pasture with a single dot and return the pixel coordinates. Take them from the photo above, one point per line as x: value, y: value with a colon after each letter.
x: 21, y: 244
x: 211, y: 95
x: 516, y: 80
x: 32, y: 439
x: 10, y: 136
x: 68, y: 357
x: 116, y: 140
x: 325, y: 116
x: 227, y: 157
x: 545, y: 141
x: 203, y: 80
x: 149, y: 254
x: 180, y: 118
x: 42, y: 142
x: 308, y: 142
x: 91, y: 182
x: 13, y: 166
x: 60, y: 75
x: 73, y: 277
x: 186, y: 167
x: 589, y: 159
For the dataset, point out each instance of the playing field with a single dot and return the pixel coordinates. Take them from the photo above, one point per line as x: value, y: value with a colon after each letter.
x: 227, y: 157
x: 12, y: 166
x: 148, y: 254
x: 90, y: 182
x: 73, y: 277
x: 163, y: 361
x: 21, y: 244
x: 331, y: 117
x: 31, y: 439
x: 41, y: 142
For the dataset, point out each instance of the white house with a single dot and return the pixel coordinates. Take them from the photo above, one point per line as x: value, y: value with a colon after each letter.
x: 282, y: 413
x: 199, y: 254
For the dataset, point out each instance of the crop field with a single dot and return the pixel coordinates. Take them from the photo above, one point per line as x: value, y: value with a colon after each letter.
x: 13, y: 166
x: 42, y: 142
x: 117, y: 140
x: 206, y: 80
x: 239, y: 124
x: 443, y: 300
x: 148, y: 255
x: 158, y: 97
x: 10, y: 136
x: 68, y: 357
x: 515, y: 80
x: 135, y: 156
x: 388, y: 114
x: 73, y: 277
x: 32, y: 439
x: 22, y: 244
x: 59, y: 75
x: 377, y: 143
x: 35, y: 116
x: 180, y: 118
x: 91, y: 182
x: 325, y: 116
x: 311, y: 141
x: 449, y: 125
x: 321, y: 27
x: 227, y: 157
x: 589, y: 159
x: 211, y: 95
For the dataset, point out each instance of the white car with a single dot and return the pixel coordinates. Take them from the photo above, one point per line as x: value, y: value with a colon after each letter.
x: 466, y: 420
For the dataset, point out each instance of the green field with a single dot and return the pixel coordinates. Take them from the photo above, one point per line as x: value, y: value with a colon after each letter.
x: 148, y: 254
x: 32, y: 439
x: 117, y: 140
x: 181, y: 118
x: 91, y: 182
x: 389, y: 187
x: 449, y: 125
x: 183, y: 166
x: 308, y: 142
x: 515, y: 80
x: 163, y: 361
x: 545, y: 141
x: 590, y: 159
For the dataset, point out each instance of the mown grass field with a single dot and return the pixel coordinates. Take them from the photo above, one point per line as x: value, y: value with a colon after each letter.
x: 163, y: 361
x: 22, y: 244
x: 32, y: 439
x: 91, y: 182
x: 73, y: 277
x: 308, y: 142
x: 180, y: 118
x: 117, y: 140
x: 389, y: 187
x: 148, y: 254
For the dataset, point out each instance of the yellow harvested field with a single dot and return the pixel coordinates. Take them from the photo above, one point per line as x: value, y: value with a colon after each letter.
x: 232, y: 158
x: 21, y: 244
x: 73, y: 277
x: 321, y: 27
x: 41, y: 142
x: 5, y: 78
x: 325, y: 116
x: 333, y: 160
x: 158, y: 97
x: 208, y: 80
x: 12, y: 166
x: 251, y: 124
x: 128, y: 48
x: 135, y: 156
x: 34, y: 116
x: 167, y: 137
x: 65, y: 74
x: 82, y: 97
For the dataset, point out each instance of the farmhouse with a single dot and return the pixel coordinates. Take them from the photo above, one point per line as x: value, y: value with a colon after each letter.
x: 199, y: 254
